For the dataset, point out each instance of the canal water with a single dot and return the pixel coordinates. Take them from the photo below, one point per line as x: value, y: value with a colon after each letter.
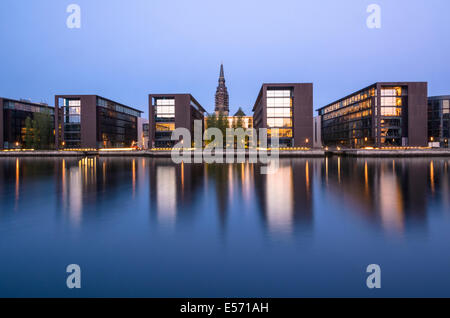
x: 149, y: 228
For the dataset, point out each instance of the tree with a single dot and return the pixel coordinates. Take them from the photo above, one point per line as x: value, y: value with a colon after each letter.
x: 211, y: 121
x: 222, y: 123
x: 43, y: 123
x: 240, y: 122
x: 35, y: 135
x: 28, y: 133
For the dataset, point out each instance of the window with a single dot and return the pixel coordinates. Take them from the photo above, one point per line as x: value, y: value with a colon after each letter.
x: 446, y: 106
x: 165, y: 126
x: 391, y: 91
x: 165, y: 108
x: 279, y: 108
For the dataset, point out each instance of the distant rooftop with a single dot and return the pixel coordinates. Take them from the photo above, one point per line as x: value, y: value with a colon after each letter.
x: 240, y: 112
x: 439, y: 97
x: 27, y: 101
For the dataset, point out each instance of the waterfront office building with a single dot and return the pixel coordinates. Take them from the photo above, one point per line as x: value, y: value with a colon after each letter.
x: 91, y: 121
x: 13, y: 114
x: 288, y: 107
x: 383, y: 114
x: 439, y: 120
x: 170, y: 111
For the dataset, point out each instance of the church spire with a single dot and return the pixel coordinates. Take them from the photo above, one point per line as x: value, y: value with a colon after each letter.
x: 221, y: 72
x: 222, y: 98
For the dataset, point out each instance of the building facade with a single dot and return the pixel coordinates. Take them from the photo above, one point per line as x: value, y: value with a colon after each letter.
x: 13, y: 116
x: 168, y: 112
x: 439, y: 120
x: 288, y: 107
x: 381, y: 115
x: 92, y: 121
x: 317, y: 143
x: 222, y: 98
x: 143, y: 129
x: 246, y: 122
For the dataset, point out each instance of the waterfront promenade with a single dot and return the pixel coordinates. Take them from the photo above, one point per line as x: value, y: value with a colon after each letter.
x: 295, y: 153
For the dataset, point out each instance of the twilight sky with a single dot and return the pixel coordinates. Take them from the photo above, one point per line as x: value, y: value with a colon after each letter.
x: 127, y: 49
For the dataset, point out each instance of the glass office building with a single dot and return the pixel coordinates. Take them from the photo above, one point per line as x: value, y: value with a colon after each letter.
x: 91, y: 121
x: 439, y: 120
x: 381, y: 115
x: 117, y: 124
x: 13, y: 115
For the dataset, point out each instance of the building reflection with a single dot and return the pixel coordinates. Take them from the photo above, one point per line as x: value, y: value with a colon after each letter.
x: 83, y: 182
x: 228, y: 184
x: 285, y: 197
x: 18, y: 179
x: 173, y: 189
x: 391, y: 193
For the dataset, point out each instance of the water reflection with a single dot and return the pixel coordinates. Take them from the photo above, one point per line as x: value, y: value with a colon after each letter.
x: 286, y: 196
x: 392, y: 194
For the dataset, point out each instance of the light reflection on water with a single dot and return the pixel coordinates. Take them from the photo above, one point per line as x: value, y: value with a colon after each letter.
x: 155, y: 210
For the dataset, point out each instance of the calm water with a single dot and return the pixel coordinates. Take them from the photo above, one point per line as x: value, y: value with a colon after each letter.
x: 147, y: 227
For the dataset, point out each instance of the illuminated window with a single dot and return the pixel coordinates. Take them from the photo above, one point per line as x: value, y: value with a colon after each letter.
x: 282, y: 133
x: 165, y: 126
x: 279, y: 108
x: 165, y: 108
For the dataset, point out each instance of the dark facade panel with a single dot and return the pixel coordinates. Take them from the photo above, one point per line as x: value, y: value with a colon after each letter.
x: 1, y: 124
x: 303, y: 115
x: 417, y: 114
x: 89, y: 132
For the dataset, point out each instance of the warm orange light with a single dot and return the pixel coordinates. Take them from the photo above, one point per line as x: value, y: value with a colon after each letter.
x: 116, y: 149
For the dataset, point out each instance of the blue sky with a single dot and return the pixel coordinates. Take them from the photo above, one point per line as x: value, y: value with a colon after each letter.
x: 128, y: 49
